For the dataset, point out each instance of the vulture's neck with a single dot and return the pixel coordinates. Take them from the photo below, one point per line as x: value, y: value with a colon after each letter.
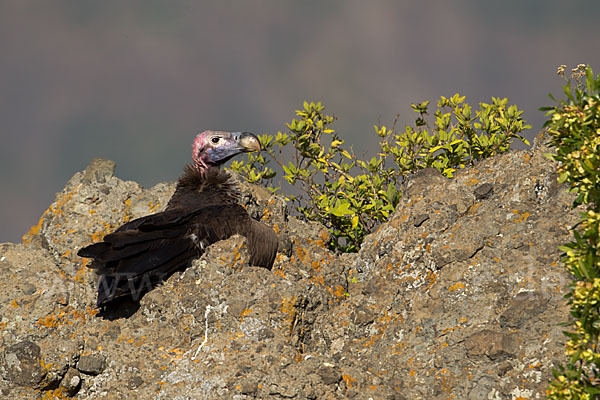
x: 210, y: 186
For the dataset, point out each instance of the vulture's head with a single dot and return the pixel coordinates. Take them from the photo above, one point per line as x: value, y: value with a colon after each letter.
x: 213, y: 148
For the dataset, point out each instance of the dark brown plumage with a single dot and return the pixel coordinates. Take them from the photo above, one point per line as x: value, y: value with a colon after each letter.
x: 203, y: 210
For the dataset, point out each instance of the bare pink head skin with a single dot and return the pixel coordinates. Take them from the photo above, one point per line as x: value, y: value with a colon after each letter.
x: 213, y: 148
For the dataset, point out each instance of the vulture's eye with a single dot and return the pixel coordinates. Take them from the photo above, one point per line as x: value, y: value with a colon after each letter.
x: 215, y: 139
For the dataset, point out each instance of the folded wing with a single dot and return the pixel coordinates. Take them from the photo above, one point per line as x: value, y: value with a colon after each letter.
x: 145, y: 251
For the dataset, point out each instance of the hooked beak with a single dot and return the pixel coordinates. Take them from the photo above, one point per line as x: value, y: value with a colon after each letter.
x: 247, y: 141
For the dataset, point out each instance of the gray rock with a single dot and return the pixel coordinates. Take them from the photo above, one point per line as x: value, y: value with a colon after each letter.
x: 99, y: 170
x: 71, y: 382
x: 92, y: 364
x: 21, y: 364
x: 483, y: 191
x: 419, y: 219
x: 492, y: 344
x: 523, y: 308
x: 329, y: 374
x: 449, y: 297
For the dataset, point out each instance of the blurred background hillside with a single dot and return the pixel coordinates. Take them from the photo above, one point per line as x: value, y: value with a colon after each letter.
x: 135, y: 81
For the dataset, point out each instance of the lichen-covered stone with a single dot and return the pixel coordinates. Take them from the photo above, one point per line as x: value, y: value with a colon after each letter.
x: 71, y: 382
x: 457, y: 296
x: 21, y: 364
x: 92, y: 364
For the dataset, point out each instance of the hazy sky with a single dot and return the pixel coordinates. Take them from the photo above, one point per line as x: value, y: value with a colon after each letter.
x: 135, y: 81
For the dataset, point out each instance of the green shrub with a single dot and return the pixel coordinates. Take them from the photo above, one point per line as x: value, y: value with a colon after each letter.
x: 352, y: 196
x: 574, y: 127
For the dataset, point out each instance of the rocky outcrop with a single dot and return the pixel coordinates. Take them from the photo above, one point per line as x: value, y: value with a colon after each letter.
x: 458, y: 296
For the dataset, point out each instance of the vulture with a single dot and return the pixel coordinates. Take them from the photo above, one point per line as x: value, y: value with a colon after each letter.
x: 203, y: 210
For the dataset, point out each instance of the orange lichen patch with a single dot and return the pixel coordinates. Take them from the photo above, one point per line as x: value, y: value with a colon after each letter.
x: 152, y: 208
x: 55, y: 209
x: 53, y: 320
x: 474, y: 208
x: 54, y: 394
x: 348, y: 379
x: 267, y: 214
x: 34, y: 230
x: 245, y: 312
x: 521, y: 216
x: 448, y: 330
x: 301, y: 253
x: 276, y: 228
x: 279, y: 272
x: 91, y: 311
x: 289, y: 309
x: 456, y: 286
x: 79, y: 315
x: 441, y: 346
x: 280, y: 257
x: 321, y: 241
x: 14, y: 303
x: 442, y: 372
x: 46, y: 366
x: 398, y: 348
x: 472, y: 181
x: 236, y: 335
x: 430, y: 279
x: 340, y: 292
x: 97, y: 236
x: 316, y: 265
x: 318, y: 279
x: 80, y: 275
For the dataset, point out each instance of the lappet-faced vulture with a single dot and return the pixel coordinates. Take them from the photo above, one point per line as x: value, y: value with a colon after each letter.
x: 203, y: 210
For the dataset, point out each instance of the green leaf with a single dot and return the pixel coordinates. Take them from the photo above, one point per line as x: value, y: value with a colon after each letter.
x: 341, y: 209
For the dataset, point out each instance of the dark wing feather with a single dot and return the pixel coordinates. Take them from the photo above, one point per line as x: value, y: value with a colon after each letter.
x: 168, y: 218
x: 156, y: 259
x: 262, y: 244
